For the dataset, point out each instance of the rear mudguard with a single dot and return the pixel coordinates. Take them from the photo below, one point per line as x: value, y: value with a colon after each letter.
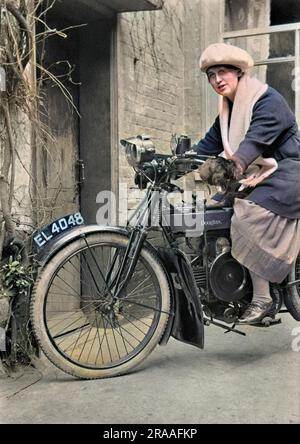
x: 186, y: 320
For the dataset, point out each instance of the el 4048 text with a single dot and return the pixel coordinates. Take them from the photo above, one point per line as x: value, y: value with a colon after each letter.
x: 57, y: 227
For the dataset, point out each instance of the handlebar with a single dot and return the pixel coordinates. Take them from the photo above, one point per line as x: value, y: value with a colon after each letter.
x: 175, y: 166
x: 192, y: 160
x: 188, y: 158
x: 189, y: 162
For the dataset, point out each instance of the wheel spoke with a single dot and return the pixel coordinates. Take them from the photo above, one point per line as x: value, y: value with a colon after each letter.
x: 130, y: 301
x: 70, y: 331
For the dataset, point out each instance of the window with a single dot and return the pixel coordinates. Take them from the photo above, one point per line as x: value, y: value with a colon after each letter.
x: 284, y: 11
x: 270, y: 31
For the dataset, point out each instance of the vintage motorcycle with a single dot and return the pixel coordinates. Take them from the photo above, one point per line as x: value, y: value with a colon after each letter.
x: 106, y: 295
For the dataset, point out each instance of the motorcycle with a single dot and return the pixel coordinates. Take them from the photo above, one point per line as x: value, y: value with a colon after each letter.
x: 106, y: 296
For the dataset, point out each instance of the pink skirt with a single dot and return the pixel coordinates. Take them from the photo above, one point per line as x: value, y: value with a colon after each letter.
x: 264, y: 242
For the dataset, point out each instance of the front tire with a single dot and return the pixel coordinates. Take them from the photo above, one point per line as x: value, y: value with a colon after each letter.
x: 78, y: 327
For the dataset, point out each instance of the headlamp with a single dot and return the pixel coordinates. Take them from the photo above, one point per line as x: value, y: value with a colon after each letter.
x: 138, y: 149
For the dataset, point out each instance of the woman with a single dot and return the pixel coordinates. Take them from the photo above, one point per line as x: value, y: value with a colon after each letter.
x: 255, y: 120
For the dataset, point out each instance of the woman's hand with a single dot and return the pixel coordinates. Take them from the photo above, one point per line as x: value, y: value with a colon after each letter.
x: 238, y: 163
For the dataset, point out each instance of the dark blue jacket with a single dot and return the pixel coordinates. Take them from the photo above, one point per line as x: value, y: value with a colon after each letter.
x: 273, y: 132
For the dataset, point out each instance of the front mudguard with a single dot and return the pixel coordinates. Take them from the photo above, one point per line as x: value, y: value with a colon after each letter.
x: 187, y: 325
x: 59, y: 242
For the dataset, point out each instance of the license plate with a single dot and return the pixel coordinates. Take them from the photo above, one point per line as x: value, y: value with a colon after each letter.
x: 59, y: 226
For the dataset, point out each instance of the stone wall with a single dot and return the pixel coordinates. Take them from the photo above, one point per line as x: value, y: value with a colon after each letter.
x: 23, y: 199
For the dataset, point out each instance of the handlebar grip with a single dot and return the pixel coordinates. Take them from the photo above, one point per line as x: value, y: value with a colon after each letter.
x: 192, y: 161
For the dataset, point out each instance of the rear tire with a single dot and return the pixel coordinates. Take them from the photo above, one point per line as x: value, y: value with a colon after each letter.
x: 292, y: 294
x: 73, y: 318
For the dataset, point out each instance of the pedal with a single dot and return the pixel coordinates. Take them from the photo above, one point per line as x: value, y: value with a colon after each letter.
x: 267, y: 322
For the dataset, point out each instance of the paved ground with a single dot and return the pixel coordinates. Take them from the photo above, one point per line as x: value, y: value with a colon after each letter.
x: 234, y: 380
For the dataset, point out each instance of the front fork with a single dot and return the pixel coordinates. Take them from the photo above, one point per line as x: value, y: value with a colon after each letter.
x: 136, y: 241
x: 129, y: 261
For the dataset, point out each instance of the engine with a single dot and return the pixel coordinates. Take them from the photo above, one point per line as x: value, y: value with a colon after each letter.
x: 223, y: 282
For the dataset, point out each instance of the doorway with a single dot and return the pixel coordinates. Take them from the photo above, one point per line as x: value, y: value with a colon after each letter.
x: 75, y: 165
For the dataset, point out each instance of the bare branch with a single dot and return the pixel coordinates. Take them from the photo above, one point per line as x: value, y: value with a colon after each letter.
x: 25, y: 28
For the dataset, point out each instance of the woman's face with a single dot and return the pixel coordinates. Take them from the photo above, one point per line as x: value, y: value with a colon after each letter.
x: 224, y: 80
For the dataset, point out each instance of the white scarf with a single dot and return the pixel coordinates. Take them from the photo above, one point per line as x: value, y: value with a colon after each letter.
x: 249, y: 90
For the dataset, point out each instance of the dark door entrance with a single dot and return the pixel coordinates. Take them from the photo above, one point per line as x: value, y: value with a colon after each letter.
x: 76, y: 166
x: 57, y: 152
x: 95, y: 124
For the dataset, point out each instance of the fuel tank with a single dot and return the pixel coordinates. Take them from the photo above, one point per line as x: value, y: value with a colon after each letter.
x: 193, y: 223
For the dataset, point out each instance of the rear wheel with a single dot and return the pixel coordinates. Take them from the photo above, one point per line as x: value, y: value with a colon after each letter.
x: 79, y: 325
x: 292, y: 294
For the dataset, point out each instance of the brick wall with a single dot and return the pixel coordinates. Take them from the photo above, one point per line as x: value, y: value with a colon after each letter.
x: 150, y: 79
x: 161, y: 89
x: 151, y: 76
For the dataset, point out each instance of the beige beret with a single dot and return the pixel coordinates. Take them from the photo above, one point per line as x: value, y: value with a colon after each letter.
x: 224, y: 54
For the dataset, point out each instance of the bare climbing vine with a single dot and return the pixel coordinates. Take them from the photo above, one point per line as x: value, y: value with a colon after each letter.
x: 145, y: 32
x: 22, y: 123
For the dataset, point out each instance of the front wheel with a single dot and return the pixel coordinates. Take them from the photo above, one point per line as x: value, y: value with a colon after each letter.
x: 79, y: 324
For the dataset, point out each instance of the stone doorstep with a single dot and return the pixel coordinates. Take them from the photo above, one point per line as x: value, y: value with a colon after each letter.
x: 2, y: 340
